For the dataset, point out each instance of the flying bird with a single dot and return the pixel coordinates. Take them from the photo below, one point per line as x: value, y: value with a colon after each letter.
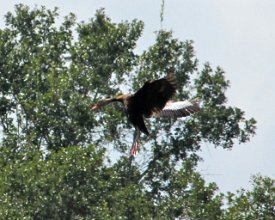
x: 152, y: 99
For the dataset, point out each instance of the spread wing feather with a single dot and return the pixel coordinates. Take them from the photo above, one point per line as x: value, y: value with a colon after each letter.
x: 153, y: 96
x: 179, y: 109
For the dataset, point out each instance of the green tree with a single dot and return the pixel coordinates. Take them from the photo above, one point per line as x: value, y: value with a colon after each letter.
x: 55, y: 153
x: 259, y: 203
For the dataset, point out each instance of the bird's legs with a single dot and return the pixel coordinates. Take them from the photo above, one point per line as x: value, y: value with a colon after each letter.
x: 134, y: 148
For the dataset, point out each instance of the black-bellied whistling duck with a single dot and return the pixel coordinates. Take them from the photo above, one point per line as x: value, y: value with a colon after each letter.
x: 151, y: 100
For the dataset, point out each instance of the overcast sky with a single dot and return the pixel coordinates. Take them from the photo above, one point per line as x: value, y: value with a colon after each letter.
x: 237, y: 35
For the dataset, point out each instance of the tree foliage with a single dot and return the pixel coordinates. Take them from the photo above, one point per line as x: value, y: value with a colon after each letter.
x: 59, y: 160
x: 258, y: 203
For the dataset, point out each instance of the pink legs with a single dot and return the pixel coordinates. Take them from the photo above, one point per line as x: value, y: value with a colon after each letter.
x: 134, y: 149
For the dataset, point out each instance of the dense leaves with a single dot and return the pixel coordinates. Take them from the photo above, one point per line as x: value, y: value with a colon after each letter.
x: 258, y: 203
x: 59, y: 160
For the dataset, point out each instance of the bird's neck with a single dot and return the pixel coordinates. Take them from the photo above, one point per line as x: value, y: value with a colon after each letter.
x: 122, y: 98
x: 106, y: 101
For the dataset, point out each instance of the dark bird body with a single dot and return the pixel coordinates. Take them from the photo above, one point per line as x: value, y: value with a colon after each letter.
x: 151, y: 100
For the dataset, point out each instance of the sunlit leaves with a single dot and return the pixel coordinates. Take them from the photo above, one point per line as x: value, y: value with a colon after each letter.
x: 258, y: 203
x: 66, y: 182
x: 218, y: 123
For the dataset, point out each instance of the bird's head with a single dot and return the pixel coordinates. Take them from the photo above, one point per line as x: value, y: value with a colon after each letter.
x: 95, y: 107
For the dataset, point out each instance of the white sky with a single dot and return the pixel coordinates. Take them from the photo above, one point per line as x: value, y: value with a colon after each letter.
x: 237, y: 35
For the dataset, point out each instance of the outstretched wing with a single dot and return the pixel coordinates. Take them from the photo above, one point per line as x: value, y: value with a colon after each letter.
x: 179, y: 109
x: 153, y: 96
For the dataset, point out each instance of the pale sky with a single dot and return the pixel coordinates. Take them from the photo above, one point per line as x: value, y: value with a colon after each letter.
x: 237, y: 35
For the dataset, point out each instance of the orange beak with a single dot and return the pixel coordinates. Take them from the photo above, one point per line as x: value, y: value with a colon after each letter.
x: 95, y: 107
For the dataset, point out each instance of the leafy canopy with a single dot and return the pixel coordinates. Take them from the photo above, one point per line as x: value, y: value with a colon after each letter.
x: 59, y: 160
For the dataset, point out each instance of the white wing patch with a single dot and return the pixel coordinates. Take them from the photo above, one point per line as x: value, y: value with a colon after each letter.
x: 179, y: 109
